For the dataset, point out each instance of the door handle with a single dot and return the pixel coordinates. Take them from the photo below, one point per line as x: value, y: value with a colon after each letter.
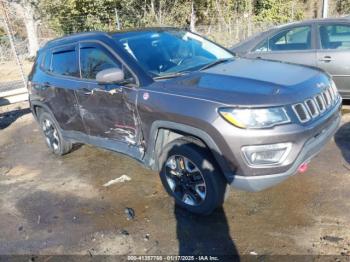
x: 46, y: 85
x: 111, y: 91
x: 114, y: 90
x: 86, y: 91
x: 326, y: 59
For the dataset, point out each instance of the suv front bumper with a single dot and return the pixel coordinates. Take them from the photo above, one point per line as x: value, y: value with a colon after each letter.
x: 310, y: 149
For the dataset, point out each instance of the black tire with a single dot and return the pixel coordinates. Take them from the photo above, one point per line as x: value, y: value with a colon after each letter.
x: 53, y: 137
x: 198, y: 158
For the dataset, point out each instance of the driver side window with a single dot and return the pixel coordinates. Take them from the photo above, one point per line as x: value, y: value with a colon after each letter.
x: 94, y: 59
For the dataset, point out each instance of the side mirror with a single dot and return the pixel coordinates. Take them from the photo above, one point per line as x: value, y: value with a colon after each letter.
x: 111, y: 75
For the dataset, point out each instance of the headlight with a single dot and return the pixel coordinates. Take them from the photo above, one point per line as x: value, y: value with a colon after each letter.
x: 255, y: 118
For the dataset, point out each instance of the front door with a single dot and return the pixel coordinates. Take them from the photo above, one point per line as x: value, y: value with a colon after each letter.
x: 334, y: 54
x: 108, y: 110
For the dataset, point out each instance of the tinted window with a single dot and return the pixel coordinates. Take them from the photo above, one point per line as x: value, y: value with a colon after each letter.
x: 262, y: 47
x: 298, y: 38
x: 95, y: 59
x: 46, y: 64
x: 335, y: 36
x: 65, y: 63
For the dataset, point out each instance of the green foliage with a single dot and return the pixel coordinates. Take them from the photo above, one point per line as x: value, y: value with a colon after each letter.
x: 67, y: 16
x: 278, y: 11
x: 343, y: 6
x: 3, y: 36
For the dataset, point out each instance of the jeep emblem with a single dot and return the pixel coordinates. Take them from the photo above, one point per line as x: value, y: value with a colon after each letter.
x: 321, y: 85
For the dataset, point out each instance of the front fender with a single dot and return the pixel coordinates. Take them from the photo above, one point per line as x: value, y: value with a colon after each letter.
x: 151, y: 156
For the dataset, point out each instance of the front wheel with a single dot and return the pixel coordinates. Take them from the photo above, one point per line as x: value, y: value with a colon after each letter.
x: 190, y: 174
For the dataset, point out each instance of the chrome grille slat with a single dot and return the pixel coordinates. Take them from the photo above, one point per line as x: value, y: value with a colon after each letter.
x: 331, y: 94
x: 311, y: 106
x: 335, y: 92
x: 326, y: 99
x: 301, y: 112
x: 320, y: 103
x: 315, y: 106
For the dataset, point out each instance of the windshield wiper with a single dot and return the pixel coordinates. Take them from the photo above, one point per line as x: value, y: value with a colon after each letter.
x: 172, y: 75
x: 216, y: 62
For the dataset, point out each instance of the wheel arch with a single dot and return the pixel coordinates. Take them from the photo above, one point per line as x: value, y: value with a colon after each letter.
x: 164, y: 132
x: 37, y: 106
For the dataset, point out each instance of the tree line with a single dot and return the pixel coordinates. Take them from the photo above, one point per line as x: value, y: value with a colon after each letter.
x: 69, y: 16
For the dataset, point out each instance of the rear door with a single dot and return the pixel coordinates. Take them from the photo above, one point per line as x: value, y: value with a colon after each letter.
x: 108, y: 110
x: 57, y: 86
x: 333, y: 54
x: 294, y: 44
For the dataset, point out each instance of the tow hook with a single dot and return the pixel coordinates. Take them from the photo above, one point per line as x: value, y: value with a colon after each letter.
x: 303, y: 167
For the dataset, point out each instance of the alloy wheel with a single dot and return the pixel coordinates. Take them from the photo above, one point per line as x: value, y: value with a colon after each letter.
x: 51, y: 134
x: 185, y: 180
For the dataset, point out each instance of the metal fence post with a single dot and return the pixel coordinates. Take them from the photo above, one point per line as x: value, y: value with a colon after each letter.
x: 325, y: 9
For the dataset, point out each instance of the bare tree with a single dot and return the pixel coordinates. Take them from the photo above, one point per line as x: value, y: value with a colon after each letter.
x: 193, y: 18
x: 27, y: 10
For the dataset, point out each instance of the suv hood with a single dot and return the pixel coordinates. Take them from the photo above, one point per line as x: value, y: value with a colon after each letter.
x: 251, y: 82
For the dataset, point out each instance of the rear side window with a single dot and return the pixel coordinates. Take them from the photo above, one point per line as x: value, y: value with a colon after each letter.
x: 335, y: 36
x: 64, y: 62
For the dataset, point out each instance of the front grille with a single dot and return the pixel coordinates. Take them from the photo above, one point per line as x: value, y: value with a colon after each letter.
x: 320, y: 103
x: 333, y: 93
x: 311, y: 105
x: 326, y: 99
x: 301, y: 112
x: 315, y: 106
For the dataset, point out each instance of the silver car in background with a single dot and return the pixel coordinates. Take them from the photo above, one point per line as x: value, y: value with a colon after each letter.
x: 324, y: 43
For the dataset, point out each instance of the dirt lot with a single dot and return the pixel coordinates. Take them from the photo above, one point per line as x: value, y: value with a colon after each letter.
x: 58, y: 205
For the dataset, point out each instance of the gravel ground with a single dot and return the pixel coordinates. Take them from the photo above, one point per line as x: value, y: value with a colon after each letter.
x: 59, y: 205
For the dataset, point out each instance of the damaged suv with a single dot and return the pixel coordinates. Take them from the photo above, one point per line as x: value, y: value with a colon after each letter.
x: 184, y: 106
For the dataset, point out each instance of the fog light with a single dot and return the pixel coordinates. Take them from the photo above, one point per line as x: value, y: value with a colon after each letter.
x: 266, y: 154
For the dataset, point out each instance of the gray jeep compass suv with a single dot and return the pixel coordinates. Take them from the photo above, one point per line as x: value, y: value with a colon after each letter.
x: 184, y: 106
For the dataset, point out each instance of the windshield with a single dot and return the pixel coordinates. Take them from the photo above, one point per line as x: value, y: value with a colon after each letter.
x: 162, y: 53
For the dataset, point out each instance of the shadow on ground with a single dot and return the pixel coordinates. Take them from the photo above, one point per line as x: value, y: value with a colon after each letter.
x: 201, y: 235
x: 342, y: 139
x: 8, y: 118
x: 198, y: 234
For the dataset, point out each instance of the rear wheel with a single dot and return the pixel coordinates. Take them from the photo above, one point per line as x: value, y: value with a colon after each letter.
x: 53, y: 137
x: 190, y: 174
